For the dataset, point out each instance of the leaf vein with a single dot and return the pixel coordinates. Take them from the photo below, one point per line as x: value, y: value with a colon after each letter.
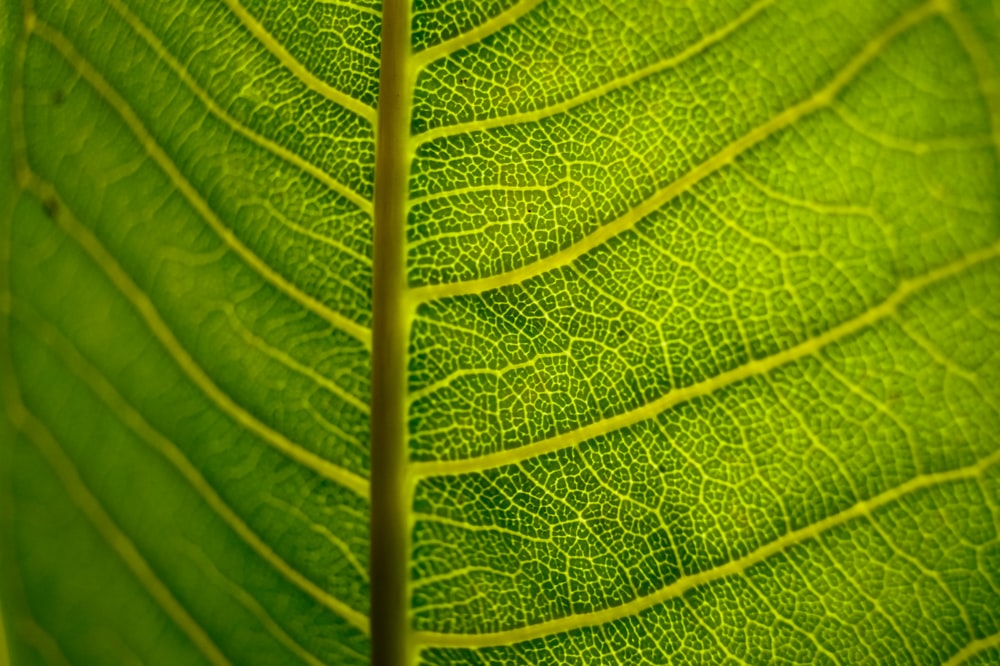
x: 974, y: 648
x: 864, y: 508
x: 292, y: 64
x: 610, y: 86
x: 887, y: 308
x: 503, y: 19
x: 216, y: 109
x: 227, y: 235
x: 91, y: 507
x: 169, y: 451
x: 725, y: 157
x: 149, y: 314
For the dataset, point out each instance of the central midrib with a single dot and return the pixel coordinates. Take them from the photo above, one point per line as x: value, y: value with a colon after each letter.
x: 390, y: 495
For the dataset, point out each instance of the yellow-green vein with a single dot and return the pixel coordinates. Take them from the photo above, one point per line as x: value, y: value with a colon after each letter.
x: 562, y: 106
x: 267, y: 144
x: 820, y: 99
x: 756, y: 367
x: 145, y: 308
x: 65, y: 470
x: 155, y: 440
x: 864, y: 508
x: 134, y: 123
x: 505, y: 18
x: 299, y: 70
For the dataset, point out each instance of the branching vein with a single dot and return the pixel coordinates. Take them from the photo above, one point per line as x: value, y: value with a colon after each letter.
x: 297, y: 68
x: 103, y: 88
x: 147, y: 310
x: 677, y: 588
x: 723, y: 158
x: 757, y: 367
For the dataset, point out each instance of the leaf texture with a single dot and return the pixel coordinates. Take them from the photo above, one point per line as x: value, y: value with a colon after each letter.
x: 697, y: 311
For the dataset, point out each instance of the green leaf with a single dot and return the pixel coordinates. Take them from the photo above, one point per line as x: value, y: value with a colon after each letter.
x: 500, y: 332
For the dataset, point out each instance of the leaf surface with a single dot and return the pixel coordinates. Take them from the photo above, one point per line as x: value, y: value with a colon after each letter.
x: 685, y: 311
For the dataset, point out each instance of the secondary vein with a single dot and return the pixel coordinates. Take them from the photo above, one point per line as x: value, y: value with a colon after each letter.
x: 822, y: 98
x: 146, y: 309
x: 864, y: 508
x: 754, y: 368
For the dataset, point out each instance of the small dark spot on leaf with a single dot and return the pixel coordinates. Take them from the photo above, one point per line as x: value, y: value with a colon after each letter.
x: 58, y: 97
x: 51, y: 206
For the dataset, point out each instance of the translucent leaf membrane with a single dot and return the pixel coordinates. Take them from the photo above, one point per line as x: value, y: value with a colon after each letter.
x: 703, y: 368
x: 700, y: 325
x: 188, y: 267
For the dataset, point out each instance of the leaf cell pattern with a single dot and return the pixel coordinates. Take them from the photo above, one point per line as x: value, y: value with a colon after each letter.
x: 702, y: 331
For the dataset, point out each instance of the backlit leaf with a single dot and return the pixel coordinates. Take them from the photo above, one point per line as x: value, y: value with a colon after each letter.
x: 622, y: 332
